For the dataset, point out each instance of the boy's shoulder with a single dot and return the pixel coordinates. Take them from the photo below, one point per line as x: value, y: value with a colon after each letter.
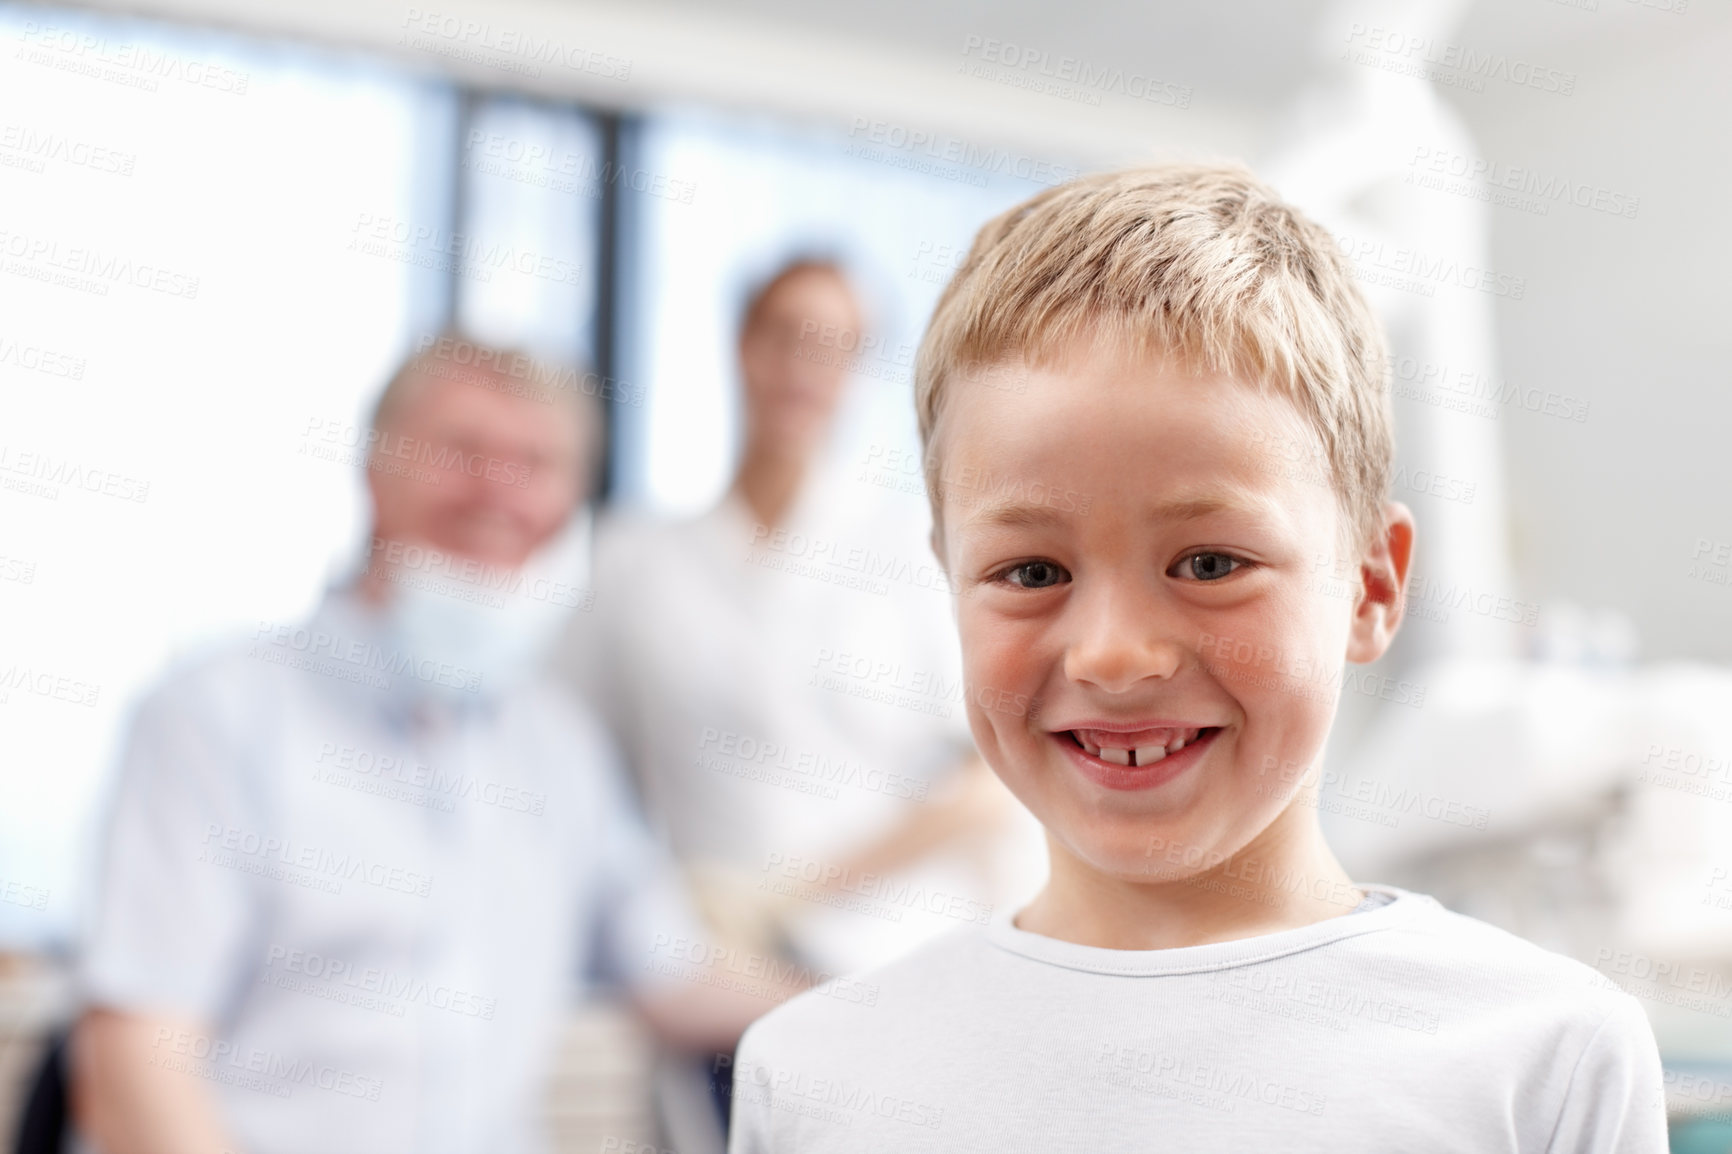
x: 877, y: 999
x: 1430, y: 956
x: 1412, y: 948
x: 1435, y: 943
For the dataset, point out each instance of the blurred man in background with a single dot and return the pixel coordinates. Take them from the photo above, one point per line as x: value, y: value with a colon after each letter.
x: 358, y: 868
x: 822, y: 816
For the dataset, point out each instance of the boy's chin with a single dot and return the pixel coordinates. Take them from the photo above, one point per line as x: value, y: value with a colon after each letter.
x: 1141, y: 857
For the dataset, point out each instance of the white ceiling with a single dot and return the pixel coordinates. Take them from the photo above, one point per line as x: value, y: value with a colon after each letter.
x: 836, y: 60
x: 1239, y: 52
x: 1236, y: 53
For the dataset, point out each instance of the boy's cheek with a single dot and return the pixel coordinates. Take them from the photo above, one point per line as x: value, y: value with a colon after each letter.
x: 1000, y: 681
x: 983, y: 728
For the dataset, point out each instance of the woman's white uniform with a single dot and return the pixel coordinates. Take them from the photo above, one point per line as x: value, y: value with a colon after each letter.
x: 787, y: 696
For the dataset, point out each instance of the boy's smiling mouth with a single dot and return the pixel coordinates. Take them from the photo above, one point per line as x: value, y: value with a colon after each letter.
x: 1140, y: 747
x: 1140, y: 757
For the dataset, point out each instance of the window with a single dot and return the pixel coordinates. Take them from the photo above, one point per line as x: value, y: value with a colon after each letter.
x: 533, y: 181
x: 216, y: 249
x: 213, y: 252
x: 738, y: 197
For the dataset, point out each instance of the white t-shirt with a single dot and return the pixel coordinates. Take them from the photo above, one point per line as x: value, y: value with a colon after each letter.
x: 1396, y: 1029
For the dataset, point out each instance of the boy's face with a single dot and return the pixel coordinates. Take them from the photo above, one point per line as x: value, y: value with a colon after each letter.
x: 1142, y: 565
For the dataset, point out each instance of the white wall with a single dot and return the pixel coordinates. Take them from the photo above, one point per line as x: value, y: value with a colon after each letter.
x: 1633, y: 317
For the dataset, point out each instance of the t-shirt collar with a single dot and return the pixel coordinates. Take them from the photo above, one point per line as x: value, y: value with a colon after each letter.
x: 1401, y: 906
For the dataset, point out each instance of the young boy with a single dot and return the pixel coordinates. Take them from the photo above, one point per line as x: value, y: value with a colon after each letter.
x: 1113, y: 393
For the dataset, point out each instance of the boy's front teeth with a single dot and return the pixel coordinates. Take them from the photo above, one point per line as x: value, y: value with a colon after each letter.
x: 1145, y: 754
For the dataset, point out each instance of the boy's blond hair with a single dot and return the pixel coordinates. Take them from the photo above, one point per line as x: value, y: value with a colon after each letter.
x: 1203, y: 263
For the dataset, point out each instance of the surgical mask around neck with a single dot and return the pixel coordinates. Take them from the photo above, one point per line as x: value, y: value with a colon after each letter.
x: 485, y: 630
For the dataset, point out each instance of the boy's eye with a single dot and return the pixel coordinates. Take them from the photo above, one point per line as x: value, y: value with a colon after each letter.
x: 1208, y: 566
x: 1034, y: 574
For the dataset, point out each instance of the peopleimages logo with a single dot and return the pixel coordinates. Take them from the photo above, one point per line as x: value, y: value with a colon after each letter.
x: 395, y: 776
x: 484, y: 367
x: 89, y: 269
x: 1417, y: 271
x: 1516, y: 186
x: 728, y: 967
x: 1261, y: 666
x: 430, y: 246
x: 1447, y: 62
x: 567, y: 170
x: 253, y: 1068
x: 1382, y: 798
x: 1066, y: 77
x: 840, y: 562
x: 131, y: 65
x: 1460, y: 389
x: 839, y: 1099
x: 300, y: 863
x: 36, y: 359
x: 354, y: 659
x: 19, y: 894
x: 318, y: 975
x: 916, y: 148
x: 33, y: 150
x: 504, y: 47
x: 328, y: 440
x: 833, y: 883
x: 751, y: 757
x: 1182, y: 1070
x: 46, y: 683
x: 42, y: 474
x: 922, y: 690
x: 467, y: 579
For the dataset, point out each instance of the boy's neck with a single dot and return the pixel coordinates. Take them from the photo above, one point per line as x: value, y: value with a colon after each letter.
x: 1285, y: 878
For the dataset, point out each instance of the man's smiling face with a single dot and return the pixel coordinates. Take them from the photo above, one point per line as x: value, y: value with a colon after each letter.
x: 1170, y: 627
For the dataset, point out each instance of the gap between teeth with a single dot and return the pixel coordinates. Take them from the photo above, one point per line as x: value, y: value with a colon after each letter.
x: 1145, y: 755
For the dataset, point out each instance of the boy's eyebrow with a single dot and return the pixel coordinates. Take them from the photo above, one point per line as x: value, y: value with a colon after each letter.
x: 1013, y: 515
x: 1207, y: 505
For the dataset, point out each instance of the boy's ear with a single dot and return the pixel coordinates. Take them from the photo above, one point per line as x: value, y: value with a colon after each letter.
x: 1383, y: 585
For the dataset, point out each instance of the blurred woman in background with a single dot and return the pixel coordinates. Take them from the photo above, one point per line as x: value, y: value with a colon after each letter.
x: 781, y: 673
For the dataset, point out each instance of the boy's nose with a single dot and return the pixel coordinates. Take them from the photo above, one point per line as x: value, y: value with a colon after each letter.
x: 1120, y: 644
